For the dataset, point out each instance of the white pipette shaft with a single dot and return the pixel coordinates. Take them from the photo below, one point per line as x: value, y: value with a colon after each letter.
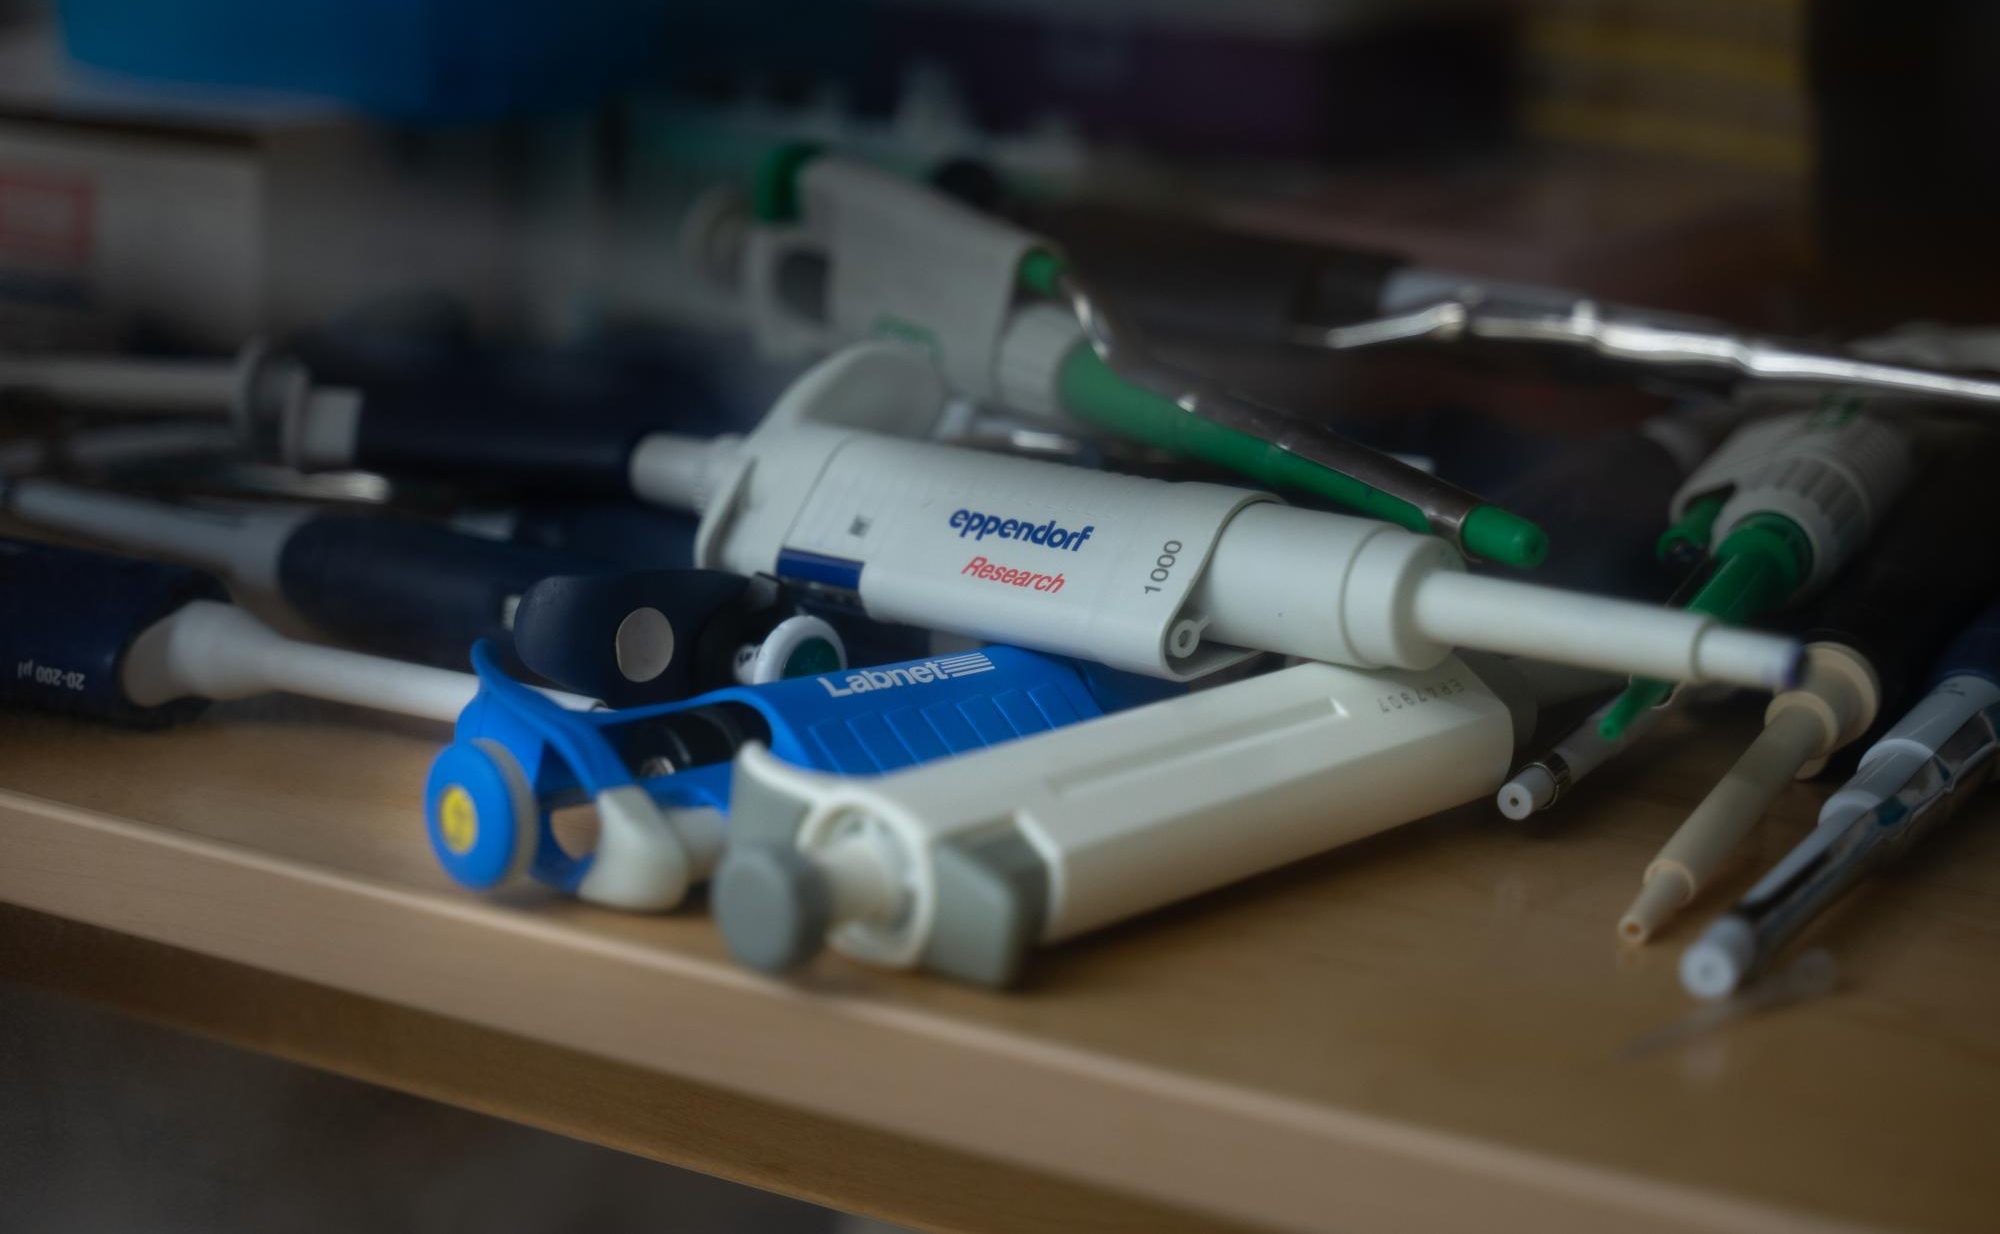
x: 218, y: 651
x: 171, y: 387
x: 243, y: 545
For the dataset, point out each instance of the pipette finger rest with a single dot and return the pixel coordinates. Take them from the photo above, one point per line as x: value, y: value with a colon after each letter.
x: 664, y: 769
x: 643, y: 637
x: 962, y: 866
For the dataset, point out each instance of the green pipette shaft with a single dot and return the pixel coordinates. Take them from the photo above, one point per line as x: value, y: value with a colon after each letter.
x: 1759, y: 565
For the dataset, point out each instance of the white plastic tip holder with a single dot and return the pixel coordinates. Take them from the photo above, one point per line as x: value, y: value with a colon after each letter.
x: 1528, y: 793
x: 212, y: 650
x: 1715, y: 966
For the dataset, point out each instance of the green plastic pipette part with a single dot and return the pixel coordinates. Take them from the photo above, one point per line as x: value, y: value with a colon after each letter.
x: 774, y: 189
x: 1687, y: 540
x: 1760, y: 565
x: 1092, y: 392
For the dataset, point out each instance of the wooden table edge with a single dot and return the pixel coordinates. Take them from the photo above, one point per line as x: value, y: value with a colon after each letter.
x: 1245, y: 1156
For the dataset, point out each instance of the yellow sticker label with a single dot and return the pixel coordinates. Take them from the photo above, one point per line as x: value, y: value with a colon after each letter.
x: 458, y: 819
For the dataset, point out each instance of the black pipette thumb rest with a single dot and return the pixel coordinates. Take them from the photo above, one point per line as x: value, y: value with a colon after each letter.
x: 67, y: 617
x: 638, y: 638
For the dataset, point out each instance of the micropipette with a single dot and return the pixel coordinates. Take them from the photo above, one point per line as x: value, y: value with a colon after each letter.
x: 1926, y: 573
x: 1785, y: 502
x: 1172, y: 580
x: 962, y: 866
x: 145, y: 643
x: 420, y: 592
x: 1917, y: 775
x: 852, y: 252
x: 515, y: 759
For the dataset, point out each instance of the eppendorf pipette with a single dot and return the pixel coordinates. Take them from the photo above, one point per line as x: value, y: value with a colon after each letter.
x: 1173, y: 580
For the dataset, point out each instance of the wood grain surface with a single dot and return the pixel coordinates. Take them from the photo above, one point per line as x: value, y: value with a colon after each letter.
x: 1427, y: 1030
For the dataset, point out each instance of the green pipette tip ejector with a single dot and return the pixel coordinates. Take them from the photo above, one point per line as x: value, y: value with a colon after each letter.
x: 1764, y: 559
x: 1497, y: 535
x: 1094, y: 393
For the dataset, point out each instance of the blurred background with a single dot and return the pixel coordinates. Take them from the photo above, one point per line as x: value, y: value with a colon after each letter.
x: 526, y: 201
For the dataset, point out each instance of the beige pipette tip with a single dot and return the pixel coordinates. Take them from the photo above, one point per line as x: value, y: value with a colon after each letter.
x: 1830, y: 708
x: 1666, y: 890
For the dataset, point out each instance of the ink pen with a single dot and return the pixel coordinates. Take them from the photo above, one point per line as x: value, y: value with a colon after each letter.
x: 1917, y: 775
x: 146, y: 643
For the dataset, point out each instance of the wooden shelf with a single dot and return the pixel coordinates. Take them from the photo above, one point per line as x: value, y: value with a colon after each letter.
x: 1427, y: 1030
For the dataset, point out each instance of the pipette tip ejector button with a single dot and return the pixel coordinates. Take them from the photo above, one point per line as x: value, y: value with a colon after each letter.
x: 774, y: 906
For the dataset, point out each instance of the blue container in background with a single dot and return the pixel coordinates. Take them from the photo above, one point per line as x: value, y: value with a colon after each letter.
x: 418, y: 60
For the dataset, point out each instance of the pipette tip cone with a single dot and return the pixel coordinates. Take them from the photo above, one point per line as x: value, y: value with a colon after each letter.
x: 1526, y: 793
x: 1661, y: 897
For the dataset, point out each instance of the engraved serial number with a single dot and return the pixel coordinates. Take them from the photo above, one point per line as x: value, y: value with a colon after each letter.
x: 1400, y: 700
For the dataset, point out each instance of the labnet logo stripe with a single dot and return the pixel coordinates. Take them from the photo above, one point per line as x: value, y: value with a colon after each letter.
x: 868, y: 680
x: 965, y: 665
x: 841, y: 572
